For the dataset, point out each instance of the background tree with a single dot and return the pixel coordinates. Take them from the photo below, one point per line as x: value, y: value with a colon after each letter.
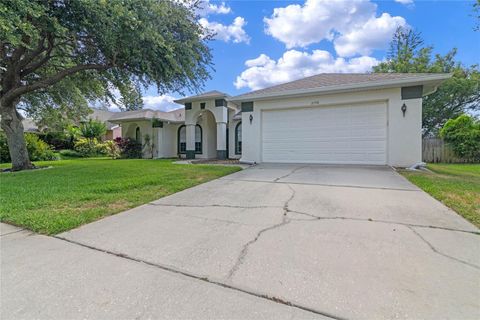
x: 455, y: 96
x: 131, y: 98
x: 93, y: 129
x: 476, y: 12
x: 70, y: 53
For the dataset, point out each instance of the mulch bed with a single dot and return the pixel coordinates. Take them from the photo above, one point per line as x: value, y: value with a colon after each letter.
x: 34, y: 168
x: 216, y: 161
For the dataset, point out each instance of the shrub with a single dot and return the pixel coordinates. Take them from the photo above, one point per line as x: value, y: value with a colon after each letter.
x: 38, y: 150
x: 463, y: 134
x: 58, y: 140
x: 112, y: 149
x: 93, y: 129
x: 129, y: 148
x: 69, y: 153
x: 4, y: 153
x: 89, y: 147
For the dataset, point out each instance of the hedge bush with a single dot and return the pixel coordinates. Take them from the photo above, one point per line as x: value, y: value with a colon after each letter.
x: 38, y: 150
x: 89, y: 147
x: 129, y: 148
x: 463, y: 134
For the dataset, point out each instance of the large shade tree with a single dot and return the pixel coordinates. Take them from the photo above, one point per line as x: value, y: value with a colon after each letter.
x: 68, y: 53
x: 455, y: 96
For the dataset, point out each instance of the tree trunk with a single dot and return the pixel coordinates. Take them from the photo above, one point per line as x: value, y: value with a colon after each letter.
x: 12, y: 126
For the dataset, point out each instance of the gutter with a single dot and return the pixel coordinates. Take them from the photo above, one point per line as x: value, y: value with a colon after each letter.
x: 119, y: 121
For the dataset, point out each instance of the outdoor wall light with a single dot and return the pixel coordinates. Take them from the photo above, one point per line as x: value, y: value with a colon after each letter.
x: 251, y: 119
x: 404, y: 109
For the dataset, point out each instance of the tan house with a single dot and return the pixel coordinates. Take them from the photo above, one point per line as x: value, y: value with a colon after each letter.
x: 372, y: 119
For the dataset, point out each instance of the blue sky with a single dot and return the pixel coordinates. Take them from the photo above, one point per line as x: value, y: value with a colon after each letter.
x: 262, y: 43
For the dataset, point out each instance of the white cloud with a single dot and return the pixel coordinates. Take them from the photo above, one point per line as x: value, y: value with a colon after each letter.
x: 374, y: 34
x: 233, y: 32
x: 264, y: 71
x: 404, y: 1
x: 162, y: 102
x: 316, y: 20
x: 206, y: 8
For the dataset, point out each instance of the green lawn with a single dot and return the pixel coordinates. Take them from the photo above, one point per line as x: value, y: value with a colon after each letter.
x: 74, y: 192
x: 456, y: 185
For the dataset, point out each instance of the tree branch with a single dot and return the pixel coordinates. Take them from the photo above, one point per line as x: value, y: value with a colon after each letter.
x: 34, y: 65
x: 32, y: 54
x: 41, y: 84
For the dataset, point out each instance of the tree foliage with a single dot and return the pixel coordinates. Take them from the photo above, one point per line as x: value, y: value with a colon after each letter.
x: 93, y: 129
x: 463, y: 133
x: 65, y: 54
x: 455, y: 96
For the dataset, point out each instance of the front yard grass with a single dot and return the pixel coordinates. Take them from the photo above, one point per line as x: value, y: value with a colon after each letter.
x: 75, y: 192
x: 456, y: 185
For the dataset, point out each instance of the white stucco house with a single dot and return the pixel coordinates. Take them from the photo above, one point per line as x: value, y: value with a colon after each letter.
x: 327, y: 118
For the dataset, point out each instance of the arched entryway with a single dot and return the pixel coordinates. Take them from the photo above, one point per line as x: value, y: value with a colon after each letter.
x: 133, y: 131
x: 198, y: 139
x: 205, y: 135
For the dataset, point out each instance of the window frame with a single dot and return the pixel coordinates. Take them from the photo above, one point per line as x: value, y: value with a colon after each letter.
x: 238, y: 147
x: 200, y: 151
x: 179, y: 143
x: 138, y: 134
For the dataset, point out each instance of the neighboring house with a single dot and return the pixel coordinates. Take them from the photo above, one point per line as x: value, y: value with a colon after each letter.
x: 30, y: 126
x: 113, y: 130
x: 372, y: 119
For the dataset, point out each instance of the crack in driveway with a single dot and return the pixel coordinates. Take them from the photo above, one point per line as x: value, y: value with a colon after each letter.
x: 315, y: 217
x: 288, y: 174
x: 409, y: 226
x: 439, y: 252
x: 246, y: 247
x: 205, y: 279
x: 210, y: 206
x: 323, y: 184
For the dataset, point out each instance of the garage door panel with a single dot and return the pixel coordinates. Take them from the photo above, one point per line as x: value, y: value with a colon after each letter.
x: 347, y: 134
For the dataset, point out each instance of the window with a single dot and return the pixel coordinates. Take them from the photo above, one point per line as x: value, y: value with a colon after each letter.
x: 138, y: 135
x: 198, y: 139
x: 238, y: 138
x: 182, y: 139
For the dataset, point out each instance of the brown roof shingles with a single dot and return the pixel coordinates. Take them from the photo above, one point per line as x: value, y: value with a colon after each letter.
x: 331, y: 79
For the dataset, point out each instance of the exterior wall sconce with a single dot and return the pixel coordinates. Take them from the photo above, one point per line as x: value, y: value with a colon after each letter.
x: 251, y: 119
x: 404, y: 109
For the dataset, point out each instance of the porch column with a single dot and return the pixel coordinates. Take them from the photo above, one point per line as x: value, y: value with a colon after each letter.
x: 222, y: 140
x: 190, y: 132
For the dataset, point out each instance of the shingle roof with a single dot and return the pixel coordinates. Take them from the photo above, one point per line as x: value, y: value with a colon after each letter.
x: 205, y: 95
x: 103, y: 116
x: 325, y: 80
x: 177, y: 115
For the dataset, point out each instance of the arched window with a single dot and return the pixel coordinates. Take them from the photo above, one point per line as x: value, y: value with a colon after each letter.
x: 138, y: 135
x: 238, y: 138
x: 198, y: 139
x: 182, y: 139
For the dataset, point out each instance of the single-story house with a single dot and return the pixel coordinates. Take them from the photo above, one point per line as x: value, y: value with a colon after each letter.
x: 373, y: 119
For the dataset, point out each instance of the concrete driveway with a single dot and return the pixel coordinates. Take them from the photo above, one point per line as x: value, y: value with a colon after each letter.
x: 270, y: 242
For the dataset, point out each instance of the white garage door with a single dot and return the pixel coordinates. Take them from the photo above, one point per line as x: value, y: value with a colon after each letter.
x: 354, y: 134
